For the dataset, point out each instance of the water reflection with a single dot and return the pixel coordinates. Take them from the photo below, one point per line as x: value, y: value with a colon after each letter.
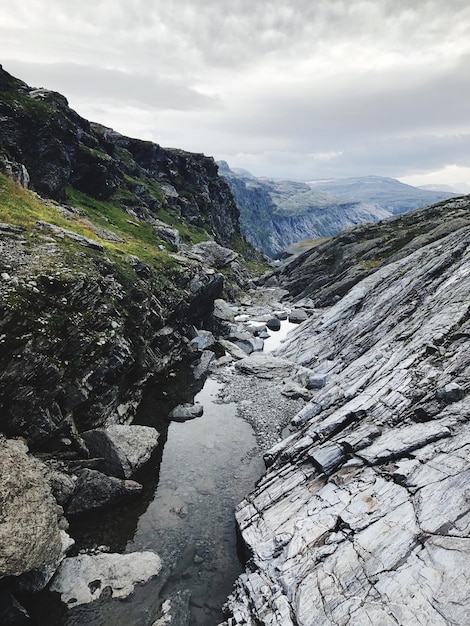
x: 201, y: 470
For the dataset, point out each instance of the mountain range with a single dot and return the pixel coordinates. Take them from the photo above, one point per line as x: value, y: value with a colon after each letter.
x: 277, y: 213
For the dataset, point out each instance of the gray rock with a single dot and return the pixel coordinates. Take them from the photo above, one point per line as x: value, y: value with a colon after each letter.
x: 94, y: 490
x: 328, y: 457
x: 274, y: 323
x: 265, y: 366
x: 83, y: 578
x: 235, y: 351
x: 204, y: 340
x: 362, y: 516
x: 168, y: 234
x: 291, y: 389
x: 222, y: 311
x: 212, y: 254
x: 29, y: 530
x: 184, y: 412
x: 62, y: 232
x: 315, y: 381
x: 297, y: 316
x: 123, y: 448
x: 247, y: 342
x: 201, y: 367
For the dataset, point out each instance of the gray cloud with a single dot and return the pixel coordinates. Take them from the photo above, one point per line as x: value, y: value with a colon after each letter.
x: 298, y: 89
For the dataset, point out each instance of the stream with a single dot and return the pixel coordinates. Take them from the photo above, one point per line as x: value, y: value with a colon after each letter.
x: 201, y: 470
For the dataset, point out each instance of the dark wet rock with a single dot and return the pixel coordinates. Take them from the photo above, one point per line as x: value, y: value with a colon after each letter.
x: 202, y: 365
x: 184, y: 412
x: 95, y: 490
x: 451, y: 393
x: 274, y: 323
x: 123, y: 448
x: 84, y: 578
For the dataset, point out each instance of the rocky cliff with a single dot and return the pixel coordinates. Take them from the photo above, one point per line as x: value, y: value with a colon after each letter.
x: 112, y: 252
x: 363, y: 515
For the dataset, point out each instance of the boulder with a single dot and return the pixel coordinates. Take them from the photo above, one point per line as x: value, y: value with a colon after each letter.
x: 123, y: 448
x: 29, y: 530
x: 168, y: 234
x: 201, y: 367
x: 223, y: 311
x: 83, y: 578
x: 94, y: 490
x: 235, y: 351
x: 297, y: 316
x: 274, y: 323
x: 204, y: 340
x: 184, y: 412
x: 212, y: 254
x: 265, y: 366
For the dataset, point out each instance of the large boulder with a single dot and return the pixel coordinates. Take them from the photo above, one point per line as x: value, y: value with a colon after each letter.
x: 83, y: 578
x: 212, y: 254
x: 123, y: 448
x: 95, y: 491
x: 29, y: 530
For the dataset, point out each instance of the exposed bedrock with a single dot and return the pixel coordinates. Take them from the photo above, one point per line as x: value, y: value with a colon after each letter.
x: 363, y: 516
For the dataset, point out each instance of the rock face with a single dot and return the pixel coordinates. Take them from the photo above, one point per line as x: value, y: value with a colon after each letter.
x: 363, y: 515
x: 29, y: 531
x: 56, y: 147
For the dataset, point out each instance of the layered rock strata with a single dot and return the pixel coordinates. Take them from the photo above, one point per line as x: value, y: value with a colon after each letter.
x: 363, y: 515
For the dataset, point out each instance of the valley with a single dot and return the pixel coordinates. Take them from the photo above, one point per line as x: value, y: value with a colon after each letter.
x: 166, y: 457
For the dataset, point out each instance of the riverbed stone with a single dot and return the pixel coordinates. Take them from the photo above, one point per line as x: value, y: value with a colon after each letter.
x: 204, y: 340
x: 95, y: 490
x: 297, y: 316
x: 274, y: 323
x: 123, y: 448
x: 83, y: 578
x: 184, y: 412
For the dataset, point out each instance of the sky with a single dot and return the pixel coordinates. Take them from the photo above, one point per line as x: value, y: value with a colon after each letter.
x: 300, y: 89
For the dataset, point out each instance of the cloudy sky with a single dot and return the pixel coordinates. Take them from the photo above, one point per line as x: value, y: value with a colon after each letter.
x: 297, y: 89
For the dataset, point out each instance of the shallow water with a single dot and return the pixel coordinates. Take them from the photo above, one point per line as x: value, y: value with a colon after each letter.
x: 202, y: 469
x: 277, y: 337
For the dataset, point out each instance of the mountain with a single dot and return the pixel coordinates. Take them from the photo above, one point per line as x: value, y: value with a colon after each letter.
x: 275, y: 214
x: 390, y: 194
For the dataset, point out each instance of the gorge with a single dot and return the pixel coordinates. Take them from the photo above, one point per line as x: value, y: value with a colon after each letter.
x: 130, y: 304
